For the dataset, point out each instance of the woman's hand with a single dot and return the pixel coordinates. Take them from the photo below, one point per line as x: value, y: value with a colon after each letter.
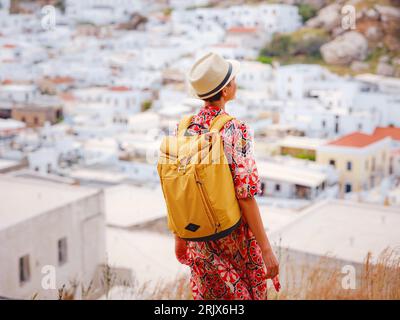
x: 271, y: 263
x: 180, y: 249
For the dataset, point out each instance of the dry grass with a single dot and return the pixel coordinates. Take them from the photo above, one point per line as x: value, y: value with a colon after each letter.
x: 378, y: 279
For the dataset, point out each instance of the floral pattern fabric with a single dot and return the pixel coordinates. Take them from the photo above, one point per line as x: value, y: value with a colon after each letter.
x: 230, y: 268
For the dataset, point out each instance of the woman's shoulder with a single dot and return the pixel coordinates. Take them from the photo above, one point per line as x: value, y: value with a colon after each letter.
x: 236, y: 125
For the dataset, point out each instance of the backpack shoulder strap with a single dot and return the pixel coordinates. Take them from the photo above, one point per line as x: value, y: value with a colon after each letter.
x: 183, y: 124
x: 219, y: 121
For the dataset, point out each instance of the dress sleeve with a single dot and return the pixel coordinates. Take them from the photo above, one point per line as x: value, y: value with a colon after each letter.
x: 238, y: 147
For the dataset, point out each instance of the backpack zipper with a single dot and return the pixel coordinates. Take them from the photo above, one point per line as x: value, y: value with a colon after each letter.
x: 207, y: 203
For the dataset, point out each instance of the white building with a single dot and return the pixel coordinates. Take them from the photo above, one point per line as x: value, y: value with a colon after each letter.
x: 120, y: 99
x: 270, y: 17
x: 101, y: 12
x: 254, y: 76
x: 18, y: 93
x: 308, y: 116
x: 44, y: 160
x: 100, y: 151
x: 9, y: 128
x: 229, y: 51
x: 5, y: 5
x: 48, y: 229
x: 284, y: 181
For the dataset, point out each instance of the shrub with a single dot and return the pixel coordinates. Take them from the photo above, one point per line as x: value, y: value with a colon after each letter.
x: 307, y: 11
x: 265, y: 59
x: 146, y: 105
x: 305, y: 41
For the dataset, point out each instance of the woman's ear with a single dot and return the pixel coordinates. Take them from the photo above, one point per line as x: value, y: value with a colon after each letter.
x: 224, y: 93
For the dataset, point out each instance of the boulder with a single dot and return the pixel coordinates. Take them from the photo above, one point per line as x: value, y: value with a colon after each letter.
x: 388, y: 13
x: 345, y: 48
x: 327, y: 18
x: 385, y: 69
x: 374, y: 33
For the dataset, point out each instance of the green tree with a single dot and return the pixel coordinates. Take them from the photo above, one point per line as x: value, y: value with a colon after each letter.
x: 146, y: 105
x: 265, y: 59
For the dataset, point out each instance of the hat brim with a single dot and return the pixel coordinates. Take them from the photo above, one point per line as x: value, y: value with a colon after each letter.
x: 235, y: 70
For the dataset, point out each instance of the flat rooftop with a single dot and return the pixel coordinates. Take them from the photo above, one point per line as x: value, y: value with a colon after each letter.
x: 283, y: 172
x: 342, y: 229
x: 149, y: 255
x: 23, y: 199
x: 128, y: 205
x: 275, y: 219
x: 301, y: 142
x: 5, y: 164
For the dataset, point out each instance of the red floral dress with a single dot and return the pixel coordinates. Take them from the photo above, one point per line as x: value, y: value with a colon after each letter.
x: 230, y: 268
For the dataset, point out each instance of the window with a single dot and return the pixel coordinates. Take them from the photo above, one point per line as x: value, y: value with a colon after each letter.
x: 336, y: 124
x: 348, y: 187
x: 62, y: 251
x: 24, y: 269
x: 373, y: 164
x: 277, y: 187
x: 332, y: 163
x: 366, y: 165
x: 323, y: 124
x: 349, y: 165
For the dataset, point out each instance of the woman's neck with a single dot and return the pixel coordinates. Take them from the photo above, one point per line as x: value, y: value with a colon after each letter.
x: 218, y: 104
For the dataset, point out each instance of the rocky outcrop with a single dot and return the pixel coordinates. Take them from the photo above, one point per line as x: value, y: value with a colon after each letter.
x: 345, y: 48
x: 327, y: 18
x: 384, y: 67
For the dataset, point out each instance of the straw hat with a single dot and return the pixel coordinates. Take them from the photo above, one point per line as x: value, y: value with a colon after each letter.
x: 210, y: 74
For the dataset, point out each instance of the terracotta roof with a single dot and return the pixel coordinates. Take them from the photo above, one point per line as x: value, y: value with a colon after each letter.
x: 120, y: 88
x: 393, y: 132
x: 60, y: 80
x: 356, y: 140
x: 67, y: 96
x: 9, y: 46
x: 242, y: 30
x: 225, y: 45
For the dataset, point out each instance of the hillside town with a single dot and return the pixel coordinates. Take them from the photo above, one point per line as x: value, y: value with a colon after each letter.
x: 86, y: 96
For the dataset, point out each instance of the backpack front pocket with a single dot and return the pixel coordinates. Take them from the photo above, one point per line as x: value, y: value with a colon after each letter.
x: 188, y: 209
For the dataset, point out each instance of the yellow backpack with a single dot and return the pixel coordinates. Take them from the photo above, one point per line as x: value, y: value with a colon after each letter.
x: 197, y: 183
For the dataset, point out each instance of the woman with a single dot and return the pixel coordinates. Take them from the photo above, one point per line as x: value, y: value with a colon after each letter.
x: 232, y: 267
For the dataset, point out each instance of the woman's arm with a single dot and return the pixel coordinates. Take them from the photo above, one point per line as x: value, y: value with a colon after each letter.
x: 250, y: 210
